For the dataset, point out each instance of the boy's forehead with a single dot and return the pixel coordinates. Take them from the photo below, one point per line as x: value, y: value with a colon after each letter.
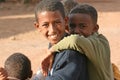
x: 49, y: 15
x: 43, y: 12
x: 47, y: 11
x: 79, y: 16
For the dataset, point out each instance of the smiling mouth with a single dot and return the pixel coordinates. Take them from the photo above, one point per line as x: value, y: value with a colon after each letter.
x: 53, y: 36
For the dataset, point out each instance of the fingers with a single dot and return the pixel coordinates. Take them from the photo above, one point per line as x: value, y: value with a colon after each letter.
x: 45, y: 72
x: 2, y: 71
x: 3, y: 74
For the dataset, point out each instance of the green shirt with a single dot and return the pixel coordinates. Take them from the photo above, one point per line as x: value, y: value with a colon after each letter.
x: 96, y: 48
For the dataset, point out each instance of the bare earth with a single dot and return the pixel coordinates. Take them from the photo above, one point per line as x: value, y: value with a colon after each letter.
x: 17, y: 32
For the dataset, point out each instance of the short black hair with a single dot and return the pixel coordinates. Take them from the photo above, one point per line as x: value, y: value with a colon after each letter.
x: 68, y: 5
x: 49, y: 5
x: 18, y: 66
x: 86, y: 9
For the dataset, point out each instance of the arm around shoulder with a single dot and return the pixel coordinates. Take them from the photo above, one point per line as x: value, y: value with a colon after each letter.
x: 75, y: 42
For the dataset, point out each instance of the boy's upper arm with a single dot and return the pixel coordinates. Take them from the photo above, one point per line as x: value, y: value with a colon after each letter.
x: 67, y: 43
x: 76, y: 42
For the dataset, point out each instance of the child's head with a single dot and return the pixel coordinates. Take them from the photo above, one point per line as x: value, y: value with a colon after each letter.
x: 83, y: 20
x: 49, y: 5
x: 50, y: 20
x: 68, y: 5
x: 18, y: 66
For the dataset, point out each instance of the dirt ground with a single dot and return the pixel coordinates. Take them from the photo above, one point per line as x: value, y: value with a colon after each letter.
x: 17, y: 32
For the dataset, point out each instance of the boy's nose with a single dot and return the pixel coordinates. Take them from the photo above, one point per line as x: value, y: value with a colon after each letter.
x: 52, y: 28
x: 77, y: 30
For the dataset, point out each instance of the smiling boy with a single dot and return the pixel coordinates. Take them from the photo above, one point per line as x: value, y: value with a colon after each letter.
x: 52, y: 24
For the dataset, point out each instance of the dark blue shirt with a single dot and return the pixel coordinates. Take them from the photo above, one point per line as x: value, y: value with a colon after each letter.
x: 69, y: 65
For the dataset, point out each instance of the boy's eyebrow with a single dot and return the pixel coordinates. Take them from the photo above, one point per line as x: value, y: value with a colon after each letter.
x: 57, y: 20
x: 82, y: 24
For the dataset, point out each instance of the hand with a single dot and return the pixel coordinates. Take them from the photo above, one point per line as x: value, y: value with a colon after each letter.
x: 46, y: 63
x: 3, y: 74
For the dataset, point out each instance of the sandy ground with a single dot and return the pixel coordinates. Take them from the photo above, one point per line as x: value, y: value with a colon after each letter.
x: 17, y: 32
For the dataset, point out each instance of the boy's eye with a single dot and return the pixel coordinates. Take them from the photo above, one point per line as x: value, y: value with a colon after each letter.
x: 82, y: 26
x: 45, y: 25
x: 57, y: 22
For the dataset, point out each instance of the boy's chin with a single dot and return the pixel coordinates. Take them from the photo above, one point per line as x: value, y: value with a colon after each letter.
x: 53, y: 42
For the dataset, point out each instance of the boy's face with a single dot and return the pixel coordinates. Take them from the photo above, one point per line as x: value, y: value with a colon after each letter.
x: 52, y: 25
x: 82, y: 24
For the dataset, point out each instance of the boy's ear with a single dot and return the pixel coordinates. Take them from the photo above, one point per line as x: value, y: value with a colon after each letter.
x: 96, y: 28
x: 36, y: 25
x: 66, y: 25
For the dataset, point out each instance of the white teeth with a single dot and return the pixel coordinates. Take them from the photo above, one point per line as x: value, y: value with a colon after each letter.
x: 53, y: 36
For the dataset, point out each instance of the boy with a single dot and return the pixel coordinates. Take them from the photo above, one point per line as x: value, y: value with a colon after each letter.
x: 51, y: 22
x: 18, y: 67
x: 68, y: 5
x: 83, y: 21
